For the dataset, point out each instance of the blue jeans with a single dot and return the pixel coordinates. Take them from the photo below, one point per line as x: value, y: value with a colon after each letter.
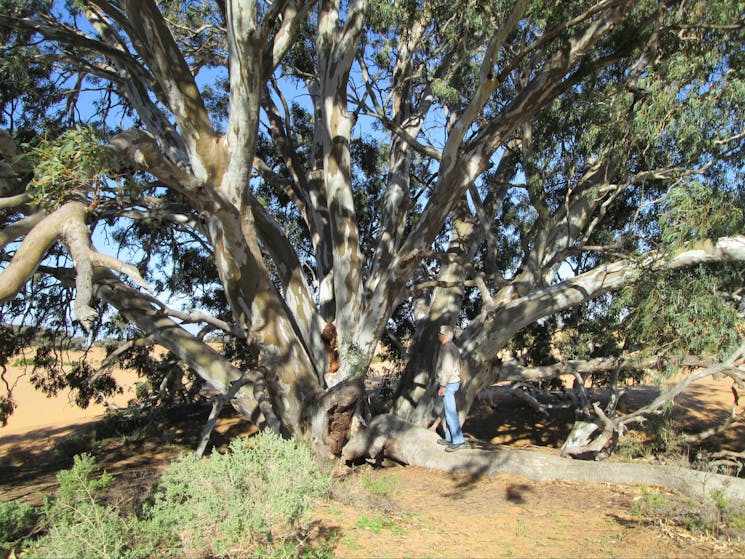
x: 453, y: 432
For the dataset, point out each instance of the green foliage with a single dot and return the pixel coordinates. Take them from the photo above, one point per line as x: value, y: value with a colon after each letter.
x: 17, y: 521
x: 632, y: 445
x: 12, y: 340
x: 27, y: 92
x: 75, y: 161
x: 251, y: 498
x: 74, y: 444
x: 167, y: 382
x: 684, y: 312
x: 353, y: 354
x: 377, y: 523
x: 697, y: 212
x: 658, y: 98
x: 52, y: 368
x: 380, y: 486
x: 249, y: 502
x: 533, y: 344
x: 51, y: 373
x: 79, y: 525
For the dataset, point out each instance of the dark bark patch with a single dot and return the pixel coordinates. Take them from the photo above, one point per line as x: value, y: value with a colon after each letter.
x: 339, y: 422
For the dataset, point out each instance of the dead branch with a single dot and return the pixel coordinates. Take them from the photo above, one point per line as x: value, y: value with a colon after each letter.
x: 106, y: 261
x: 582, y: 445
x: 726, y: 367
x: 733, y: 418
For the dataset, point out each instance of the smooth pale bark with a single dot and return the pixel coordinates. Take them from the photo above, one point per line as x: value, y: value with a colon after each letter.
x: 182, y: 150
x: 224, y: 165
x: 262, y: 312
x: 409, y: 119
x: 415, y: 398
x: 32, y: 250
x: 180, y: 93
x: 446, y: 303
x: 462, y: 162
x: 336, y: 50
x: 483, y: 339
x: 20, y: 228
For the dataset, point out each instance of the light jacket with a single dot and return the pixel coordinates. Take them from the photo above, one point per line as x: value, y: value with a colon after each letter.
x: 448, y: 364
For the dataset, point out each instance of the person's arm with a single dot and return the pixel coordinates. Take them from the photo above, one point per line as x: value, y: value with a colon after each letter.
x: 440, y: 371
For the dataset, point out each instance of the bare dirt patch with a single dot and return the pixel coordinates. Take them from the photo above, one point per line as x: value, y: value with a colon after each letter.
x: 433, y: 514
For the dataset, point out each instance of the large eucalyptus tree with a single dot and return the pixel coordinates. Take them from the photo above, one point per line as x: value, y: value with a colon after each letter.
x: 318, y: 166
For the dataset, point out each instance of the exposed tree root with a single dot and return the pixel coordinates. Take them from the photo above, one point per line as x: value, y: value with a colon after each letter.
x: 388, y: 436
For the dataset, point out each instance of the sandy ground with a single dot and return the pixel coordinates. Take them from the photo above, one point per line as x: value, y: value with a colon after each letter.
x: 35, y: 411
x: 438, y: 515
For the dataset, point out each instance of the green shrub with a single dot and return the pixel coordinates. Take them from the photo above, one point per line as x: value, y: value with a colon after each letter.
x: 17, y: 521
x: 247, y: 502
x: 378, y: 523
x: 80, y: 526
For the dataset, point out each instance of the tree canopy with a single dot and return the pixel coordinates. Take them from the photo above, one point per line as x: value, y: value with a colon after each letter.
x: 310, y: 178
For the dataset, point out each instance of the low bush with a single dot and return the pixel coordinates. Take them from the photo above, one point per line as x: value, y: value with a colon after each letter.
x: 247, y: 502
x: 17, y: 521
x: 380, y: 486
x: 79, y: 525
x: 711, y: 515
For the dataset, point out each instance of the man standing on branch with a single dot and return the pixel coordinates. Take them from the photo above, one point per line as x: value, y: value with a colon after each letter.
x: 448, y: 377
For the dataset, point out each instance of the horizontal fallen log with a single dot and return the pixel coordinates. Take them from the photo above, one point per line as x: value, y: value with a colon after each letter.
x: 388, y: 436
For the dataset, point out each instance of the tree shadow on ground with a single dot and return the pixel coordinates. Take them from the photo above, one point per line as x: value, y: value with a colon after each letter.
x: 504, y: 419
x: 507, y: 420
x: 128, y: 450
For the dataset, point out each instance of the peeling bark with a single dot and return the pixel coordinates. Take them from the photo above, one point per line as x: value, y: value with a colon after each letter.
x: 328, y: 420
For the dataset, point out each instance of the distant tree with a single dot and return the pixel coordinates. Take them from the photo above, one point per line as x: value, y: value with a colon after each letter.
x: 381, y: 167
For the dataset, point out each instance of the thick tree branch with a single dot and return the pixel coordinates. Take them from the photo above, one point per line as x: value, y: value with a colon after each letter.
x: 204, y: 360
x: 20, y: 228
x: 584, y: 287
x: 33, y: 248
x: 141, y: 149
x: 66, y: 224
x: 156, y: 45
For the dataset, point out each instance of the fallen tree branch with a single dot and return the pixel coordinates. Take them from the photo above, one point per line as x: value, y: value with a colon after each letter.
x: 731, y: 420
x: 218, y: 402
x: 726, y: 367
x: 580, y: 444
x: 513, y: 371
x: 391, y: 437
